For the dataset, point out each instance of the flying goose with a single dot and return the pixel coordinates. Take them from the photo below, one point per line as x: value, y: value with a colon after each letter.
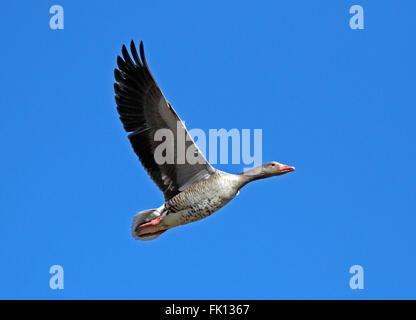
x: 193, y: 190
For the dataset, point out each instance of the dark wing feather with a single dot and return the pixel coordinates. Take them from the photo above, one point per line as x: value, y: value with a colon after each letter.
x: 143, y: 110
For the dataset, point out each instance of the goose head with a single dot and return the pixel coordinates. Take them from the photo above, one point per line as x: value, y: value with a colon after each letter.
x: 266, y: 170
x: 273, y: 168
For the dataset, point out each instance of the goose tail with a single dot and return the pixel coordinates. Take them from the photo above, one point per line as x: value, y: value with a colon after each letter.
x: 143, y: 217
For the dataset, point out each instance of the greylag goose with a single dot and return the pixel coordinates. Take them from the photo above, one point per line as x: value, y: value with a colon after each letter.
x: 193, y: 190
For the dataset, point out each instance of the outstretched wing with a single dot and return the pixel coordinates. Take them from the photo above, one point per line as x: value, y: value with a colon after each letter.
x: 143, y: 111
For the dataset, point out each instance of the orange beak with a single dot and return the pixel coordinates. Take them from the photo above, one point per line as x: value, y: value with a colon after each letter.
x: 285, y: 169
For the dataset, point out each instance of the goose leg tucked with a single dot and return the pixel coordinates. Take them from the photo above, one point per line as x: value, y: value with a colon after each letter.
x: 146, y: 224
x: 143, y: 229
x: 154, y: 222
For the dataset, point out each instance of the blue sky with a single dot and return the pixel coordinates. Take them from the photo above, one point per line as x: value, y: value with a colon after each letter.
x: 339, y: 104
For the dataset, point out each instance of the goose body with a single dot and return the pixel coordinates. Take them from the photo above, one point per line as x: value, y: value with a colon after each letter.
x: 192, y: 191
x: 195, y: 203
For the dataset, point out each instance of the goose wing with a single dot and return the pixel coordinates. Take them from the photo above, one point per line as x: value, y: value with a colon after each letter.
x: 144, y: 111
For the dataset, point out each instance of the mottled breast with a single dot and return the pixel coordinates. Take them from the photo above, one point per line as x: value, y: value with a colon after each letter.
x: 202, y: 199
